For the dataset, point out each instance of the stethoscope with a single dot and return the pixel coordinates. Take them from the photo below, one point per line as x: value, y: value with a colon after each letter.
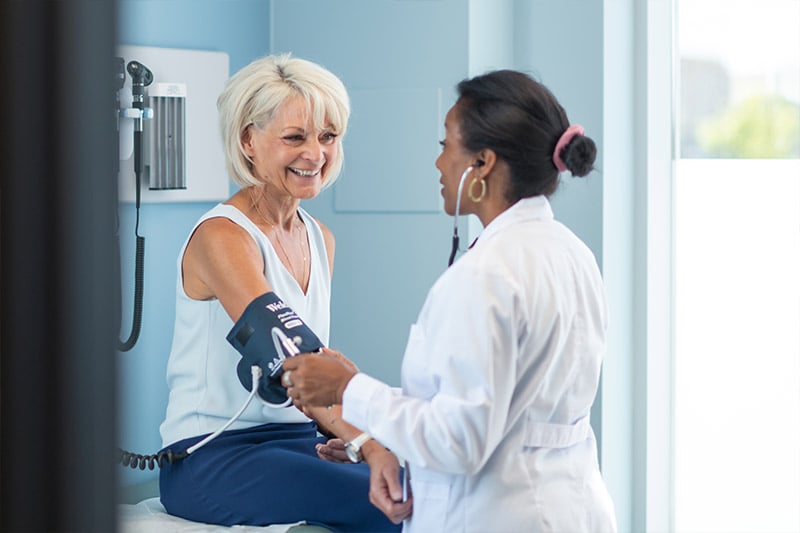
x: 455, y: 218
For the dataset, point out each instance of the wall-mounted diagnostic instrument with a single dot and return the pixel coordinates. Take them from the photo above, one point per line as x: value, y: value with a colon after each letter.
x: 169, y: 149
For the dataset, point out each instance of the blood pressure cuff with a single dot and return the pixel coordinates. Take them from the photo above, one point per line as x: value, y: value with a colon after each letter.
x: 265, y: 335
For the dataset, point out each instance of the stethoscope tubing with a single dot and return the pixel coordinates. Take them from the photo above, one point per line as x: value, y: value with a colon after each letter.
x: 455, y: 217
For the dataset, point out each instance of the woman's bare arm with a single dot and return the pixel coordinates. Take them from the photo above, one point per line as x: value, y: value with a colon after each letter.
x: 223, y: 261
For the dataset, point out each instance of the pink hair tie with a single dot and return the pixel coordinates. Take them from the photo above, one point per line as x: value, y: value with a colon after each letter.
x: 566, y: 137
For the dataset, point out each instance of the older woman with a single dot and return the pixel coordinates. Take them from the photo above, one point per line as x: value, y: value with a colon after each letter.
x: 282, y: 120
x: 502, y: 366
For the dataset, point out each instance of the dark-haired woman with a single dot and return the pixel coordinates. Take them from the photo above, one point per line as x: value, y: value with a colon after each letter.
x: 502, y: 366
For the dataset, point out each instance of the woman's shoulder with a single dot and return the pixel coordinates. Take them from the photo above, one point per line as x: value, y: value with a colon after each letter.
x: 227, y: 209
x: 225, y: 218
x: 222, y: 258
x: 219, y: 234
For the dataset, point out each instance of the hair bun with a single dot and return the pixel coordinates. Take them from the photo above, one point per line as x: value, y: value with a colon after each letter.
x: 579, y: 155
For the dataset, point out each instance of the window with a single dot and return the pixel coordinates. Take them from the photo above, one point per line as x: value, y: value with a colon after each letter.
x: 736, y: 212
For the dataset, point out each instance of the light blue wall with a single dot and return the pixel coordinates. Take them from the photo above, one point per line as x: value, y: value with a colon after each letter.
x: 240, y: 29
x: 401, y: 59
x: 561, y: 45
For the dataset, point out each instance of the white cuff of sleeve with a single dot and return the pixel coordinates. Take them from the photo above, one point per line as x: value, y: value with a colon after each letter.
x: 356, y: 400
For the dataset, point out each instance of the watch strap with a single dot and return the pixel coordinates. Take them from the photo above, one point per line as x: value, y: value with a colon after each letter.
x: 353, y: 448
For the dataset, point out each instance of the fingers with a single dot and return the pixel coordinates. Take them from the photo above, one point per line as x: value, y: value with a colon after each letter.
x: 339, y: 356
x: 327, y: 453
x: 385, y: 491
x: 394, y: 511
x: 401, y: 511
x: 393, y: 485
x: 336, y: 444
x: 314, y: 380
x: 333, y: 451
x: 292, y: 363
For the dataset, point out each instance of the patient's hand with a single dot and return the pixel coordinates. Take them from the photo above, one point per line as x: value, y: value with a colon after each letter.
x: 333, y: 451
x: 385, y: 490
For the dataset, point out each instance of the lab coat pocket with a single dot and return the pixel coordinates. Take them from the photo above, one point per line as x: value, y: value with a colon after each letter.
x: 430, y: 505
x: 418, y: 375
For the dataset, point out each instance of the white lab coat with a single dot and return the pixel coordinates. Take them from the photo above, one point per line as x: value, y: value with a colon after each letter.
x: 498, y: 379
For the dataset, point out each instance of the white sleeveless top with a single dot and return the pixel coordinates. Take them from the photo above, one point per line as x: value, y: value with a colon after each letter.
x: 204, y: 390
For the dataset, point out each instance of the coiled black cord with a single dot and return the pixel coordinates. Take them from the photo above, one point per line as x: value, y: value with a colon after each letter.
x: 138, y: 296
x: 138, y: 289
x: 135, y: 460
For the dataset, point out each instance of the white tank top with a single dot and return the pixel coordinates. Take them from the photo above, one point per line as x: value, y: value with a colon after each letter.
x: 204, y: 390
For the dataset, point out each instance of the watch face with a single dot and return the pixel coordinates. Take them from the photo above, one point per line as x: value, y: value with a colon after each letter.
x: 352, y: 452
x: 353, y: 448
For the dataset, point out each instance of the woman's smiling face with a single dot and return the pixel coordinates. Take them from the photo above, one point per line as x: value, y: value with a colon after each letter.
x: 290, y: 153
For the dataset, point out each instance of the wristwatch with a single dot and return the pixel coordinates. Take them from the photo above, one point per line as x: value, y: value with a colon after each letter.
x: 353, y: 448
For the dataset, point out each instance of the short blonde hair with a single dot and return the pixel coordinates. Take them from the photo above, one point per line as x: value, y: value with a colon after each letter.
x: 252, y: 96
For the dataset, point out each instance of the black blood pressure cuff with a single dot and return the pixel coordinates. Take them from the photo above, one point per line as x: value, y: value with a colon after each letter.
x: 265, y: 335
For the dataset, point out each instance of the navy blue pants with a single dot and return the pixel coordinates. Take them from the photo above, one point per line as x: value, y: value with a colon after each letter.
x: 269, y: 474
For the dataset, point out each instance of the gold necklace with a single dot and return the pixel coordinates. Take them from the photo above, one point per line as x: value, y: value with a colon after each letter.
x: 301, y: 279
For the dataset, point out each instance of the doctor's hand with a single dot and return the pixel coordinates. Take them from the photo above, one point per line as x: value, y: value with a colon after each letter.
x: 385, y: 490
x: 316, y: 380
x: 340, y: 356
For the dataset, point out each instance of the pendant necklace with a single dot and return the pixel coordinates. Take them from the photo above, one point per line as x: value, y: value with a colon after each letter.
x: 302, y: 278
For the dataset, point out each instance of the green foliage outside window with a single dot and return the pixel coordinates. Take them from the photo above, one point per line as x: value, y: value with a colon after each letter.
x: 760, y: 127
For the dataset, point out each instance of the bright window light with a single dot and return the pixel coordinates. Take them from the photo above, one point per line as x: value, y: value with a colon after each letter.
x: 737, y: 268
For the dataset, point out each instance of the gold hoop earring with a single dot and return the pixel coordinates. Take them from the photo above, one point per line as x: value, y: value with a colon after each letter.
x: 483, y: 189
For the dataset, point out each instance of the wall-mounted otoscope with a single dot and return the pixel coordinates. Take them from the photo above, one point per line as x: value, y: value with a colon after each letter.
x: 159, y: 151
x: 141, y: 77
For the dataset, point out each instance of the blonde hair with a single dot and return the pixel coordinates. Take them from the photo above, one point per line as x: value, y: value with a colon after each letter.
x: 253, y: 95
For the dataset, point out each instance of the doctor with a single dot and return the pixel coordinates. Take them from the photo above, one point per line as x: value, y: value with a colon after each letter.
x: 502, y: 366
